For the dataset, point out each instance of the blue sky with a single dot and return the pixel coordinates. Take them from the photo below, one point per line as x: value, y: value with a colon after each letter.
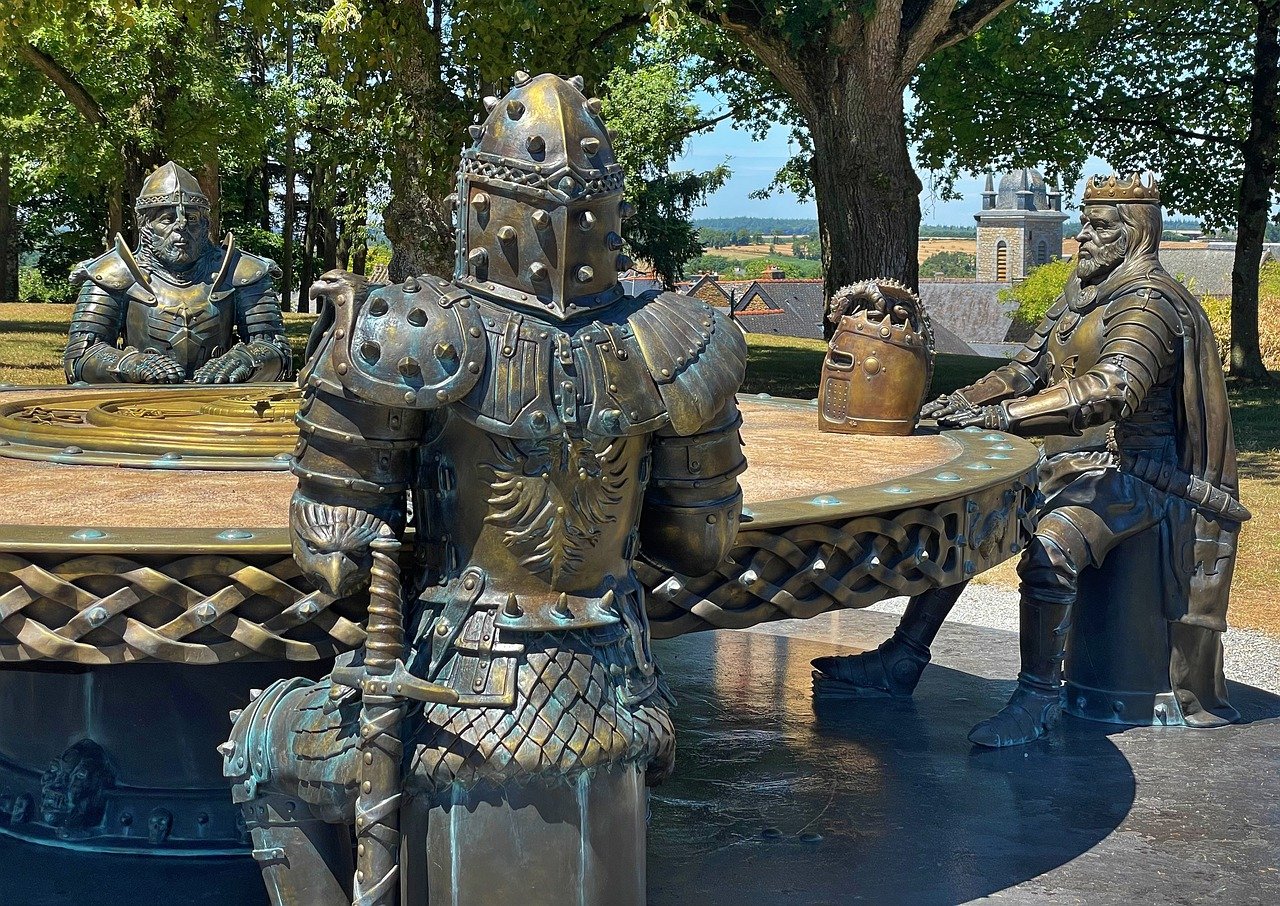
x: 754, y: 163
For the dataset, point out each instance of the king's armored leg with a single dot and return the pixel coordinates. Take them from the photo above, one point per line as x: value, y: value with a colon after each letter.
x: 1050, y: 572
x: 894, y: 668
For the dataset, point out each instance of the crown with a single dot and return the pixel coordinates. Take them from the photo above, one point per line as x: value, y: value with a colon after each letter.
x: 1122, y: 190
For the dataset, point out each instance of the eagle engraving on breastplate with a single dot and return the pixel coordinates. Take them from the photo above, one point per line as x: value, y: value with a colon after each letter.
x: 551, y: 527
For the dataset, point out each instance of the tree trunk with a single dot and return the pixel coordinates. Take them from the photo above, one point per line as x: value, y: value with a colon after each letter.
x: 306, y: 273
x: 417, y: 219
x: 1256, y: 181
x: 211, y: 183
x: 8, y: 231
x: 290, y: 223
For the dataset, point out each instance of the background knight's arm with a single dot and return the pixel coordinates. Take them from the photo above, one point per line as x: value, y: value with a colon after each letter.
x: 693, y: 500
x: 1141, y: 338
x: 91, y: 354
x: 260, y: 327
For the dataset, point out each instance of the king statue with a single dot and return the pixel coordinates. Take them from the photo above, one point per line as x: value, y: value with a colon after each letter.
x: 179, y: 309
x: 1123, y: 381
x: 538, y: 429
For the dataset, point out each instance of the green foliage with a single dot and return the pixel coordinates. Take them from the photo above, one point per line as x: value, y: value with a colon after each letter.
x: 949, y: 264
x: 1051, y: 84
x: 1035, y: 295
x: 930, y: 231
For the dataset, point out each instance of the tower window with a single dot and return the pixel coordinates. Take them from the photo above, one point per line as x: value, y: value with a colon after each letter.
x: 1042, y: 252
x: 1002, y: 262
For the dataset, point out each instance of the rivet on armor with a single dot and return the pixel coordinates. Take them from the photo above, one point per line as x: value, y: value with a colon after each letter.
x: 515, y: 109
x: 469, y: 583
x: 478, y: 258
x: 577, y: 82
x: 205, y: 613
x: 411, y: 285
x: 227, y: 749
x: 442, y: 628
x: 475, y: 332
x: 541, y: 219
x: 585, y: 274
x: 594, y: 106
x: 409, y: 366
x: 521, y: 78
x: 342, y: 368
x: 235, y: 714
x: 446, y: 351
x: 480, y: 201
x: 97, y: 616
x: 567, y: 184
x: 748, y: 577
x: 475, y: 132
x: 586, y: 221
x: 410, y: 396
x: 562, y: 607
x: 871, y: 365
x: 442, y: 396
x: 536, y: 144
x: 538, y: 270
x: 885, y: 332
x: 370, y: 351
x: 378, y: 307
x: 490, y: 102
x: 473, y: 367
x: 612, y: 241
x: 308, y: 609
x: 590, y: 145
x: 712, y: 519
x: 512, y: 608
x: 507, y: 233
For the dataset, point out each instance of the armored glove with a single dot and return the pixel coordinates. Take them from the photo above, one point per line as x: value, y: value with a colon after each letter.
x: 992, y: 417
x: 947, y: 405
x: 136, y: 367
x: 235, y: 366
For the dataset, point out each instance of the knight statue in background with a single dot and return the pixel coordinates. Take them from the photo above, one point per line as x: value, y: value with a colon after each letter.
x: 1124, y: 382
x: 179, y: 308
x: 496, y: 732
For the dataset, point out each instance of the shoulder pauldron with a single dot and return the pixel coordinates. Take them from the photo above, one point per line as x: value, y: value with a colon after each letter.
x: 414, y: 345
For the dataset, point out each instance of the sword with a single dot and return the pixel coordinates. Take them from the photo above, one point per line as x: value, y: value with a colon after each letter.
x: 1165, y: 476
x: 386, y: 687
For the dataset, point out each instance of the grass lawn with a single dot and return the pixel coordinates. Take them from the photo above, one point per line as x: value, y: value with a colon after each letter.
x: 32, y: 338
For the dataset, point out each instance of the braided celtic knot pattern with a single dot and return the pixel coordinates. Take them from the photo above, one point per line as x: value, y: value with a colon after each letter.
x: 800, y: 571
x: 200, y: 609
x: 510, y: 172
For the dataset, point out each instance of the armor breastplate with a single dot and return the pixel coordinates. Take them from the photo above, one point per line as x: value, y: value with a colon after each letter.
x: 183, y: 322
x: 1073, y: 345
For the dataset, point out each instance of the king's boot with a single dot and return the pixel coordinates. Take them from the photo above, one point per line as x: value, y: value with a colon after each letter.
x: 1035, y: 706
x: 894, y: 668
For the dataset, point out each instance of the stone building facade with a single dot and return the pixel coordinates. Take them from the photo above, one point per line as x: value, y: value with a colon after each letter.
x: 1019, y: 226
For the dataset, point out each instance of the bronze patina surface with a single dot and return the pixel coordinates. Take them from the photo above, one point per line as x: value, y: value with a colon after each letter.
x: 1138, y: 506
x: 879, y: 362
x: 213, y: 428
x: 177, y: 308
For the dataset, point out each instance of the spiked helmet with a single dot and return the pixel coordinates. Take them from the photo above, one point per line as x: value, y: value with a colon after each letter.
x: 540, y: 202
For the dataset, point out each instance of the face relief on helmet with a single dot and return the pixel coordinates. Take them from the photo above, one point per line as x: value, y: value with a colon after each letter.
x: 540, y: 199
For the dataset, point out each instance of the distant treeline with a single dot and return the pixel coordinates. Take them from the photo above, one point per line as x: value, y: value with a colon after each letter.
x: 932, y: 231
x: 759, y: 226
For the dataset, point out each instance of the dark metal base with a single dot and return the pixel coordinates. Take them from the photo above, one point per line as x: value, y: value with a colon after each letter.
x: 1131, y: 709
x: 111, y: 771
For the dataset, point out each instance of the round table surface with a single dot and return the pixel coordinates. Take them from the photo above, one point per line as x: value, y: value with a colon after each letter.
x: 792, y: 467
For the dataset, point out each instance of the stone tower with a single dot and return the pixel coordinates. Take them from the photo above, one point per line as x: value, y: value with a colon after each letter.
x: 1019, y: 226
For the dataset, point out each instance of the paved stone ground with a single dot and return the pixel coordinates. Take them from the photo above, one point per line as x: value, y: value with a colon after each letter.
x: 777, y: 800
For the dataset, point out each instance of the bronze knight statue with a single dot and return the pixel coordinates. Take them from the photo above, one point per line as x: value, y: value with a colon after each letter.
x: 1124, y: 382
x: 185, y: 309
x: 537, y: 428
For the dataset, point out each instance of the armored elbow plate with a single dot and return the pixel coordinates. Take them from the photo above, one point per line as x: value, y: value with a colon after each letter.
x: 879, y: 362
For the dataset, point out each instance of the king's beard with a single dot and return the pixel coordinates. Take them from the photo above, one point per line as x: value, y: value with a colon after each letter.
x: 1102, y: 261
x: 173, y: 257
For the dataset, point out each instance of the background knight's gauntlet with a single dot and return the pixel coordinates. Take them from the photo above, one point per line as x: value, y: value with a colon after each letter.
x: 693, y: 501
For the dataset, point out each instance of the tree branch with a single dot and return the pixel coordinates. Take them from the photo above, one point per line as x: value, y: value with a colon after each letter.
x: 966, y: 20
x: 73, y: 88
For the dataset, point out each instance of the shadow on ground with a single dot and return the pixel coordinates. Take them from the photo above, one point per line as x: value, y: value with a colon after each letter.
x: 778, y: 801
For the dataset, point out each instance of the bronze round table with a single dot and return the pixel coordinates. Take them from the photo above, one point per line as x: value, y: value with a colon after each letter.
x: 146, y: 585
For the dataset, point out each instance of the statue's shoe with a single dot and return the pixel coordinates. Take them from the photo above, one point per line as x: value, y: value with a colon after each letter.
x: 1030, y: 715
x: 893, y: 669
